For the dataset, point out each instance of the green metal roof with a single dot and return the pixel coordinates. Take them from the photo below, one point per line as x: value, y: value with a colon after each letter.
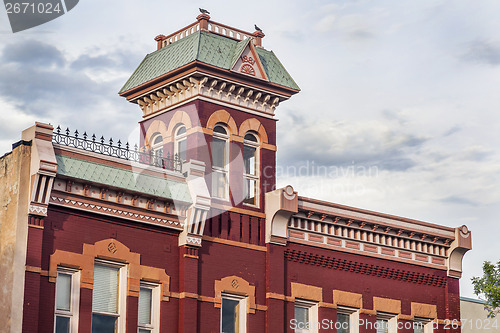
x: 121, y: 178
x: 208, y: 48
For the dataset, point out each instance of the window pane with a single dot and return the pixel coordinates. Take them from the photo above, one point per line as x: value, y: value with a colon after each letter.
x: 181, y: 130
x: 103, y: 324
x: 250, y: 137
x: 230, y: 316
x: 105, y: 293
x: 220, y: 129
x: 342, y: 323
x: 218, y: 184
x: 142, y: 330
x: 157, y: 140
x: 219, y: 153
x: 181, y: 149
x: 418, y: 327
x: 62, y: 324
x: 63, y: 291
x: 250, y: 186
x: 382, y: 326
x: 301, y: 315
x: 249, y: 159
x: 145, y: 306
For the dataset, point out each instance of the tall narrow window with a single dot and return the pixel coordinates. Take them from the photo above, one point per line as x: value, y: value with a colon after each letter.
x: 386, y: 323
x: 220, y: 162
x: 251, y: 169
x: 347, y: 320
x: 108, y: 298
x: 181, y: 142
x: 233, y: 314
x: 149, y: 308
x: 157, y: 149
x: 422, y: 325
x: 305, y: 317
x: 67, y: 300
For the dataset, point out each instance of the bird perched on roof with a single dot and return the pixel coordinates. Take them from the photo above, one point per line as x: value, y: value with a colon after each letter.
x: 204, y: 11
x: 257, y: 28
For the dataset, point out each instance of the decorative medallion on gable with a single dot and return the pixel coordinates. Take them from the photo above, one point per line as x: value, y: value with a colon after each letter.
x: 248, y: 63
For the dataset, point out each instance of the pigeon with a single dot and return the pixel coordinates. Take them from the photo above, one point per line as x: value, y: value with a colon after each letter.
x: 204, y: 11
x: 257, y: 28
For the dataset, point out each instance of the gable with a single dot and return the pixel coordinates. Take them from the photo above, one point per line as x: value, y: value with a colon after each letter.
x: 248, y: 63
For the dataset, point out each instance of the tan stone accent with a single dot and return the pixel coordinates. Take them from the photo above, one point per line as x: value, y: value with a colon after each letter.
x: 304, y: 291
x: 222, y: 116
x: 234, y: 243
x: 157, y: 126
x: 368, y: 312
x: 253, y: 124
x: 346, y: 298
x: 276, y: 296
x: 423, y: 310
x: 387, y: 305
x: 179, y: 117
x: 405, y: 317
x: 113, y: 250
x: 236, y: 286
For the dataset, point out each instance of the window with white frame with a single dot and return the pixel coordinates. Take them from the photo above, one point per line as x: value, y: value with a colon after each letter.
x: 220, y: 162
x: 149, y: 308
x: 180, y: 139
x: 347, y: 320
x: 67, y: 300
x: 250, y: 169
x: 422, y: 325
x: 233, y: 314
x: 386, y: 323
x: 305, y: 317
x: 157, y: 149
x: 109, y: 297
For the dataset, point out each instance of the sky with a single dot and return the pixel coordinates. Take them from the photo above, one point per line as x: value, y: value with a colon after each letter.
x: 398, y: 109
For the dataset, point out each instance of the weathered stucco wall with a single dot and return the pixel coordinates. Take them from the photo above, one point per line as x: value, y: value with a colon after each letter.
x: 14, y: 189
x: 475, y: 317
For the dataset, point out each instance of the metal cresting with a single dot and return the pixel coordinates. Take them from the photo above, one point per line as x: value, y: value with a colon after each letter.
x: 26, y: 14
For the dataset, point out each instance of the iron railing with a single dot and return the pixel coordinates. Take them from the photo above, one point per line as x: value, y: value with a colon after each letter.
x: 101, y: 146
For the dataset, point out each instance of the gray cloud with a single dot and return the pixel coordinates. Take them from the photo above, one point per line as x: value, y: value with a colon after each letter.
x: 32, y: 53
x: 368, y: 143
x: 484, y: 52
x: 458, y: 200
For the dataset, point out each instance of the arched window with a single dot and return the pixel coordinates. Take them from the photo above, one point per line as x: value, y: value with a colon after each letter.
x: 157, y: 149
x: 180, y: 140
x: 220, y: 162
x: 250, y: 169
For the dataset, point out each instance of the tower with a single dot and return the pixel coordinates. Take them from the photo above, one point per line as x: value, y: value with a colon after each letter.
x: 209, y: 93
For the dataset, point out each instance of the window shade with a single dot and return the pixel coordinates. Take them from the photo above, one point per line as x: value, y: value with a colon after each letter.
x: 105, y: 293
x: 145, y: 306
x: 63, y: 292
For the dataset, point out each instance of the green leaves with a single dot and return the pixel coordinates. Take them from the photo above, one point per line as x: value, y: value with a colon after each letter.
x: 488, y: 286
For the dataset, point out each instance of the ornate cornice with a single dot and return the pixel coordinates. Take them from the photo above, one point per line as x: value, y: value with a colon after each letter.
x: 214, y: 88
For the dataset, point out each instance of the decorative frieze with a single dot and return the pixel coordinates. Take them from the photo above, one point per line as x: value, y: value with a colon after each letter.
x: 219, y: 89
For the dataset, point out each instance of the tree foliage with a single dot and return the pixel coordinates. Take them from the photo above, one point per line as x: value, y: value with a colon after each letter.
x: 488, y: 286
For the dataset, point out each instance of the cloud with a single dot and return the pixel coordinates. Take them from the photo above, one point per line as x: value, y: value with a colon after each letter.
x: 483, y: 52
x: 40, y: 83
x: 32, y: 53
x: 367, y: 142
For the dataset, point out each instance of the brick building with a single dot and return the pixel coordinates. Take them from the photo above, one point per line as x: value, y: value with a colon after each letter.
x: 187, y: 232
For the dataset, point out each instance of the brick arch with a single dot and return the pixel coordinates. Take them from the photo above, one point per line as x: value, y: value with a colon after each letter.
x: 157, y: 126
x: 113, y: 250
x: 237, y: 286
x: 253, y: 124
x: 222, y: 116
x: 179, y: 117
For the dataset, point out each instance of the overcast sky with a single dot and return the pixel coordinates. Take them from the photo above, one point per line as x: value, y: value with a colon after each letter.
x: 398, y: 113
